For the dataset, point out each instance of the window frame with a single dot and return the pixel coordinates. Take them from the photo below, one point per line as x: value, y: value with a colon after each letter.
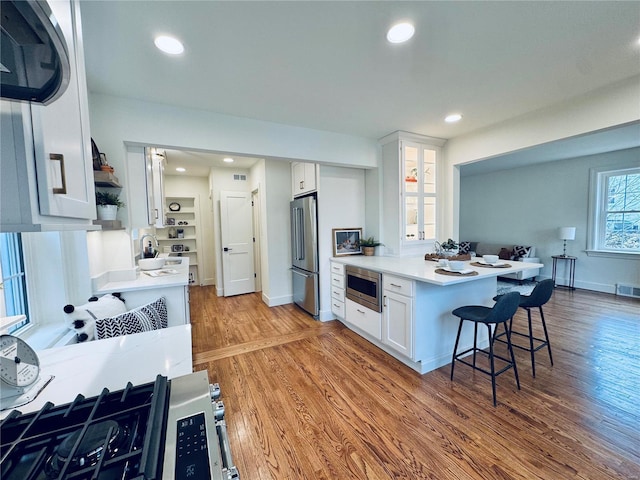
x: 15, y: 261
x: 596, y: 224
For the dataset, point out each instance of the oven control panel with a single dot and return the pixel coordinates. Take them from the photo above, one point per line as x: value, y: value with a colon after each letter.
x: 192, y: 451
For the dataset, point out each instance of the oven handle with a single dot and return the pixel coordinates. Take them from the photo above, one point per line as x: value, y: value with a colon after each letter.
x: 225, y: 450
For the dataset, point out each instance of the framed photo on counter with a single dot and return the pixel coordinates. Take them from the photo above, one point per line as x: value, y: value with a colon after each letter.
x: 346, y: 241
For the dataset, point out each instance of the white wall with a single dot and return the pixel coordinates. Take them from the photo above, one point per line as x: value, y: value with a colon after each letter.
x: 611, y: 106
x: 527, y: 205
x: 341, y: 204
x: 277, y: 187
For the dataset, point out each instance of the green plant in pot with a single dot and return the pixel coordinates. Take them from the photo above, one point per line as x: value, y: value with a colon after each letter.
x: 449, y: 247
x: 107, y: 204
x: 368, y: 245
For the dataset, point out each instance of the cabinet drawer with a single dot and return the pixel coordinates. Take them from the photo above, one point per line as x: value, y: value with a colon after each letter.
x: 337, y: 268
x: 400, y: 285
x: 364, y: 318
x: 337, y: 280
x: 337, y: 293
x: 337, y: 308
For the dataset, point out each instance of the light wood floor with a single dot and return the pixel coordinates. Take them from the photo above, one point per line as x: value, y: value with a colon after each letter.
x: 311, y: 400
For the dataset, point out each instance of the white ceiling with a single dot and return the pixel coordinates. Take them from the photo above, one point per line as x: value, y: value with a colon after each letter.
x: 327, y: 65
x: 197, y: 164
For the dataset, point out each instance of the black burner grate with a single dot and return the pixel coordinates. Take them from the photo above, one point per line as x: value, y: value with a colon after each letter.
x: 115, y: 435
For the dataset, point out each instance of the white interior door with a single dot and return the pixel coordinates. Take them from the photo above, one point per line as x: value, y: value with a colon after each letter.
x: 236, y: 228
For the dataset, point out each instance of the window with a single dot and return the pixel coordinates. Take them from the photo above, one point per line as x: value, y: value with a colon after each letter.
x: 615, y: 211
x: 13, y: 300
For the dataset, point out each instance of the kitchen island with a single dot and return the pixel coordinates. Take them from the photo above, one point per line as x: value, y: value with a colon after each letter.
x: 416, y: 325
x: 87, y: 368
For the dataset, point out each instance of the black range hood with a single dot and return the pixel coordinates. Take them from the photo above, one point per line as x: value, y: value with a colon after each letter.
x: 34, y: 61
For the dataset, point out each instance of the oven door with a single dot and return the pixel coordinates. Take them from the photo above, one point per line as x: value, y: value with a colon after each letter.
x: 363, y: 287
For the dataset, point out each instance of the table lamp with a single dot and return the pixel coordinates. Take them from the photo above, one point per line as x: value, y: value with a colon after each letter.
x: 566, y: 233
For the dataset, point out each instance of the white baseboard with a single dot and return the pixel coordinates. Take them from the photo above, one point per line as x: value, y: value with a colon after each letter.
x: 277, y: 301
x: 593, y: 286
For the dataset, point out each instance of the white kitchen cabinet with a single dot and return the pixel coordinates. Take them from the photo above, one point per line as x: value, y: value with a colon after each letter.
x: 177, y: 299
x: 363, y: 318
x: 337, y: 290
x: 46, y: 169
x: 145, y: 175
x: 410, y: 189
x: 303, y: 178
x: 157, y: 187
x: 397, y: 314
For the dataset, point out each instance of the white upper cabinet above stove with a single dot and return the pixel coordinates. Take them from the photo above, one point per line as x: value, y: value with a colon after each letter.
x: 46, y: 169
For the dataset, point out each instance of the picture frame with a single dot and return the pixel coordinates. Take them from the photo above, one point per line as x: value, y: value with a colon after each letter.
x: 171, y: 221
x: 346, y: 241
x: 177, y: 248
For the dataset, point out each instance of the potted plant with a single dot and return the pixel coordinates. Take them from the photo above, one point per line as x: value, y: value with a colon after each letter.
x: 107, y: 204
x: 368, y: 245
x: 449, y: 247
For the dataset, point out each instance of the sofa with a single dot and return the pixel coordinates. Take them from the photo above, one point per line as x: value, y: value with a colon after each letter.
x: 515, y: 253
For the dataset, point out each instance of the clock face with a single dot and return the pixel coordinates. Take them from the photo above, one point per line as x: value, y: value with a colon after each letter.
x: 19, y: 365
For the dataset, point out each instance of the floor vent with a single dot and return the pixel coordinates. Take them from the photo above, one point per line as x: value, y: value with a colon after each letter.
x: 628, y: 290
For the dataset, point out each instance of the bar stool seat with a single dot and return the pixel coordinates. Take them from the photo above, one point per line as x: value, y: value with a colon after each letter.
x: 504, y: 309
x: 540, y: 295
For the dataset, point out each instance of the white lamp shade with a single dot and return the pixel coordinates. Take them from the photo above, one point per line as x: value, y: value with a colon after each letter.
x: 567, y: 233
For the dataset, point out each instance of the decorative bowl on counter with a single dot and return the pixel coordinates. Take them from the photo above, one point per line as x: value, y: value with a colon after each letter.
x: 151, y: 263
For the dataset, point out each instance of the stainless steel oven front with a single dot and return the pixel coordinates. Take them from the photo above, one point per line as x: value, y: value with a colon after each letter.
x: 364, y: 287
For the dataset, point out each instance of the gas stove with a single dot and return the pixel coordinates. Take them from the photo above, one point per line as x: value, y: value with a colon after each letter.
x: 163, y: 430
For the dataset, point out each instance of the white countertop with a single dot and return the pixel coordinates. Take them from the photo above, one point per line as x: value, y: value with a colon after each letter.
x: 417, y: 268
x: 144, y: 281
x: 87, y: 368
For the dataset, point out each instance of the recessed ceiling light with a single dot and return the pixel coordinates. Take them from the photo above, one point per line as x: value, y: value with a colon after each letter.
x: 453, y: 118
x: 400, y: 32
x: 228, y: 160
x: 169, y: 45
x: 181, y: 169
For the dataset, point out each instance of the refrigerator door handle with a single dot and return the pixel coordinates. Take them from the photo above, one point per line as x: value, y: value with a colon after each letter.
x: 298, y: 272
x: 301, y: 234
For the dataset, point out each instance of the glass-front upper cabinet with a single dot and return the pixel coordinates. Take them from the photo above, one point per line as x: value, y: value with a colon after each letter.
x: 418, y: 191
x: 410, y: 165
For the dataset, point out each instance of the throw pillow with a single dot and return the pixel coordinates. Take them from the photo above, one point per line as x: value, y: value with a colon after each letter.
x: 81, y: 318
x: 152, y: 316
x: 504, y: 254
x: 464, y: 247
x: 520, y: 251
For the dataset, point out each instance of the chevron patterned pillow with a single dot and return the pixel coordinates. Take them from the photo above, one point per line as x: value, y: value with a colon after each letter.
x: 142, y: 319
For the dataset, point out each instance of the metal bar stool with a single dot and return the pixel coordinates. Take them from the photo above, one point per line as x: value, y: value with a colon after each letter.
x: 538, y: 297
x: 504, y: 309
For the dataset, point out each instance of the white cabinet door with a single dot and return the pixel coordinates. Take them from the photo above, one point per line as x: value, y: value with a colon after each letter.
x: 410, y: 191
x: 303, y: 178
x: 157, y: 178
x: 364, y: 318
x: 397, y: 324
x: 62, y: 140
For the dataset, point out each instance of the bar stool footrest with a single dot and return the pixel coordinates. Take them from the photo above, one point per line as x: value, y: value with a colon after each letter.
x: 475, y: 367
x: 543, y: 342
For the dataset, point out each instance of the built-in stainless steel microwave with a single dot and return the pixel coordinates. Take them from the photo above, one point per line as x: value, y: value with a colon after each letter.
x: 364, y: 287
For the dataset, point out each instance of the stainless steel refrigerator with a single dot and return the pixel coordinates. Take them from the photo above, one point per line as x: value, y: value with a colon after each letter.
x: 304, y: 253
